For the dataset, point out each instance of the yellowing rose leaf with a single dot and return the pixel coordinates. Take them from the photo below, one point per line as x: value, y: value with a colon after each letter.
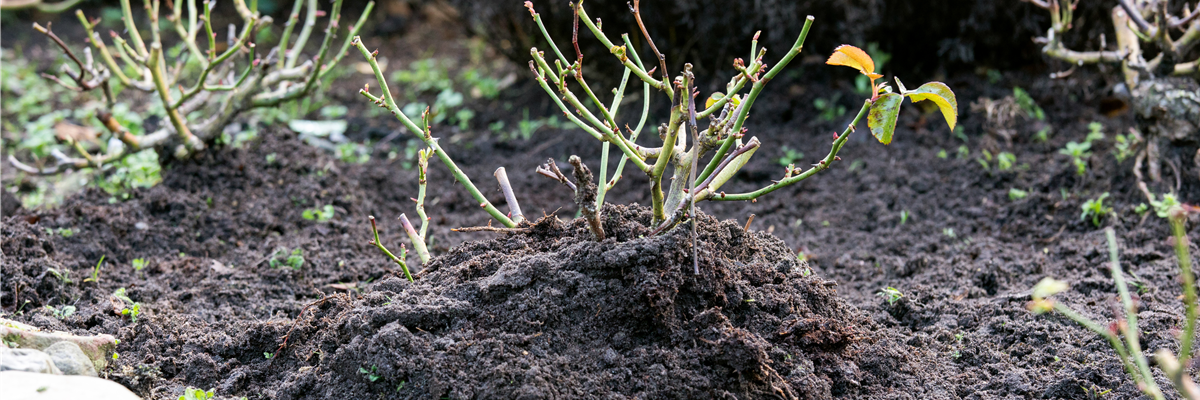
x: 941, y: 95
x: 854, y: 57
x: 717, y: 96
x: 713, y: 99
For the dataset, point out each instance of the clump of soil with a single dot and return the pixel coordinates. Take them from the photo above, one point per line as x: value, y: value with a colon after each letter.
x: 550, y: 313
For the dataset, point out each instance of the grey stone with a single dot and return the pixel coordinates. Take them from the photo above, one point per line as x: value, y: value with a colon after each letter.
x: 70, y: 359
x: 28, y: 385
x: 27, y: 360
x: 97, y: 348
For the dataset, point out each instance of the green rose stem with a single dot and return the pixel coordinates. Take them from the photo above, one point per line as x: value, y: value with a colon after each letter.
x: 389, y: 102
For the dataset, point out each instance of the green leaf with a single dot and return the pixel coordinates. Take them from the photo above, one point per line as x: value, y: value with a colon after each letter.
x: 882, y: 118
x: 941, y: 95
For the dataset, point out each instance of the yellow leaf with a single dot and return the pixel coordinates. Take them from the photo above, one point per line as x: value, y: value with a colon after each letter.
x: 713, y: 99
x: 854, y: 57
x: 941, y: 95
x: 717, y: 96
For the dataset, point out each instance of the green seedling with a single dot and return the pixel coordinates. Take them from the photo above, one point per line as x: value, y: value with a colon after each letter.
x: 961, y: 134
x: 1125, y: 147
x: 130, y: 308
x: 829, y: 108
x: 294, y: 260
x: 352, y: 153
x: 64, y: 276
x: 891, y: 294
x: 322, y: 214
x: 371, y: 374
x: 949, y: 232
x: 942, y: 154
x: 903, y: 217
x: 1095, y: 132
x: 139, y: 264
x: 62, y: 312
x: 191, y: 393
x: 1162, y: 208
x: 96, y: 271
x: 855, y: 165
x: 1079, y: 152
x: 963, y: 152
x: 1005, y: 160
x: 268, y: 355
x: 986, y: 160
x: 1141, y: 209
x: 1030, y: 107
x: 1015, y: 194
x: 790, y: 156
x: 1096, y: 209
x: 1042, y: 135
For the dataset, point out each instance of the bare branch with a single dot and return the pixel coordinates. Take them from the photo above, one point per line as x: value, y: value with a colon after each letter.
x: 635, y: 8
x: 1136, y: 16
x: 509, y: 196
x: 550, y: 170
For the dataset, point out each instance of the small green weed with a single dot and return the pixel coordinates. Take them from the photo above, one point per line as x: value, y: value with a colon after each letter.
x: 191, y: 393
x: 1124, y: 147
x: 96, y: 271
x: 132, y: 308
x: 295, y: 260
x: 139, y: 264
x: 352, y: 153
x: 1162, y: 208
x: 986, y: 160
x: 1095, y: 209
x: 1030, y: 107
x: 829, y: 108
x: 1015, y: 194
x: 62, y: 312
x: 790, y: 156
x: 1095, y: 132
x: 322, y: 214
x: 891, y: 294
x: 1043, y: 135
x: 371, y: 373
x: 1079, y: 152
x: 64, y: 277
x: 1005, y: 160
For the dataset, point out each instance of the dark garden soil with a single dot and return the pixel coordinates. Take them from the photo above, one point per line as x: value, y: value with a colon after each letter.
x: 549, y: 313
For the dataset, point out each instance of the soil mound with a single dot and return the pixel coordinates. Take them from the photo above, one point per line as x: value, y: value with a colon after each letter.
x: 550, y: 313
